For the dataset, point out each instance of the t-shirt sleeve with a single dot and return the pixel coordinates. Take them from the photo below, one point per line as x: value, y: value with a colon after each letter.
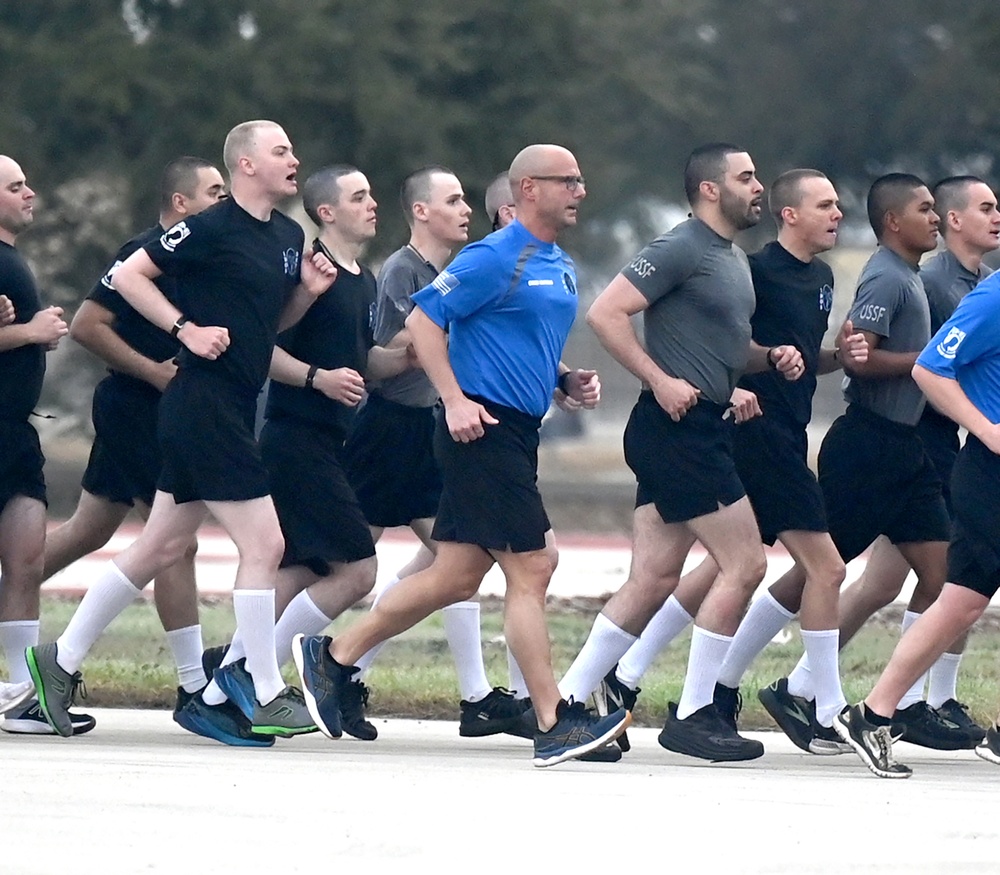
x: 475, y: 279
x: 396, y: 286
x: 969, y: 334
x: 103, y: 292
x: 182, y: 247
x: 662, y: 266
x: 876, y: 303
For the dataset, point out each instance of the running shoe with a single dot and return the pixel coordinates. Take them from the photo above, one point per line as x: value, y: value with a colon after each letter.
x: 794, y: 715
x: 323, y: 681
x: 873, y: 744
x: 729, y: 703
x: 923, y: 726
x: 956, y: 713
x: 353, y: 702
x: 235, y: 681
x: 577, y: 731
x: 56, y: 687
x: 15, y: 695
x: 496, y: 713
x: 285, y: 715
x: 224, y: 723
x: 29, y: 720
x: 706, y: 735
x: 989, y: 748
x: 611, y: 695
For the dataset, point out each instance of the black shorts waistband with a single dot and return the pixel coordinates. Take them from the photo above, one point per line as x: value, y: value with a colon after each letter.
x: 518, y: 419
x: 704, y: 407
x: 863, y: 414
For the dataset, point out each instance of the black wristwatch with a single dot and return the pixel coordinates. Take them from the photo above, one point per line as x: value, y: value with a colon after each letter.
x: 178, y: 325
x: 563, y: 382
x: 310, y: 376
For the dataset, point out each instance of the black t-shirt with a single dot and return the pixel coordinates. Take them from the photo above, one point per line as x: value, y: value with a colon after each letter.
x: 234, y: 271
x: 793, y: 306
x: 130, y: 325
x: 336, y: 332
x: 22, y: 370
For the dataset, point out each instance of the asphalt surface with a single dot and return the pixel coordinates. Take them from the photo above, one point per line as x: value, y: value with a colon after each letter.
x: 139, y: 795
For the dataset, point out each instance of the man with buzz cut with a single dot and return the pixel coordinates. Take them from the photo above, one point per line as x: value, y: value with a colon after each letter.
x: 489, y: 331
x: 124, y: 461
x: 970, y: 228
x: 695, y: 291
x: 794, y: 297
x: 27, y: 331
x: 389, y: 454
x: 242, y: 276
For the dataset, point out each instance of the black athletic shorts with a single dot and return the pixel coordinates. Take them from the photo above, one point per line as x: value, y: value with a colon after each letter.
x: 685, y: 468
x: 940, y: 437
x: 205, y: 427
x: 21, y: 462
x: 125, y: 460
x: 490, y: 495
x: 320, y: 518
x: 877, y: 479
x: 772, y: 462
x: 389, y: 460
x: 974, y: 551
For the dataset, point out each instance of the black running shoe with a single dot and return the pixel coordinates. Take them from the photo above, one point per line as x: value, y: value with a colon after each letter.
x: 610, y: 753
x: 706, y: 735
x: 353, y: 702
x: 729, y: 703
x: 793, y: 714
x: 989, y: 749
x: 611, y: 695
x: 825, y: 741
x: 923, y: 726
x: 212, y: 657
x: 576, y: 732
x: 498, y: 712
x: 872, y: 743
x: 29, y: 720
x: 527, y: 724
x: 954, y: 712
x: 323, y: 681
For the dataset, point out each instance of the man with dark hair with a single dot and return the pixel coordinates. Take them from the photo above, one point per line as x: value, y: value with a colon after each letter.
x: 959, y: 374
x: 389, y: 455
x: 242, y: 276
x: 124, y: 461
x: 695, y: 291
x: 507, y: 303
x: 27, y: 331
x: 876, y: 476
x: 794, y: 296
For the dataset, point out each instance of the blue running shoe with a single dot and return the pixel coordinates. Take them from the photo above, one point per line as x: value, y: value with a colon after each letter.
x: 324, y: 681
x: 577, y: 731
x: 234, y: 680
x: 224, y: 723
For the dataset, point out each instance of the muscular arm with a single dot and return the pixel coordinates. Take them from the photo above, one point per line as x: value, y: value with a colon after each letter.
x: 341, y: 384
x: 947, y: 396
x: 93, y: 329
x: 388, y: 361
x: 881, y: 363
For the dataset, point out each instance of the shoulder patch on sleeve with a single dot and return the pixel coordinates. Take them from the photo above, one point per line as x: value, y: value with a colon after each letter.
x: 445, y: 282
x: 175, y: 236
x: 106, y: 279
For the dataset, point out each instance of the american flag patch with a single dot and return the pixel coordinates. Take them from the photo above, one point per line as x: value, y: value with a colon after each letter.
x: 445, y: 282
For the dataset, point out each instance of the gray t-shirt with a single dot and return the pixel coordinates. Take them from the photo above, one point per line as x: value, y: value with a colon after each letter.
x: 700, y: 293
x: 946, y: 281
x: 403, y: 273
x: 890, y: 302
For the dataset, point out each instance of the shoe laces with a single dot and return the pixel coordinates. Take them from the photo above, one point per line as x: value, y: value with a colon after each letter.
x: 575, y: 711
x: 883, y: 738
x: 356, y: 692
x: 78, y: 689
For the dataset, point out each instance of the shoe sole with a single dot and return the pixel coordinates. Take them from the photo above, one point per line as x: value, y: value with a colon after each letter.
x: 610, y: 753
x: 483, y: 728
x: 752, y: 751
x: 984, y: 752
x: 822, y: 748
x: 285, y: 731
x: 206, y: 730
x: 33, y: 727
x: 786, y: 723
x: 844, y: 732
x: 36, y: 677
x: 577, y: 752
x: 299, y: 659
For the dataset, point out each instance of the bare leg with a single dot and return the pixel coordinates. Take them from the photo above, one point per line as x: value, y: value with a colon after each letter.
x: 93, y: 523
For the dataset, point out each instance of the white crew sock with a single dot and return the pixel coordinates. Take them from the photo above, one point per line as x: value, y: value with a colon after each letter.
x: 518, y: 685
x: 605, y: 645
x: 800, y: 682
x: 301, y: 615
x: 187, y: 647
x: 667, y: 623
x: 465, y: 638
x: 15, y: 637
x: 254, y: 609
x: 915, y: 693
x: 943, y: 681
x: 708, y: 652
x: 107, y: 597
x: 765, y: 619
x: 823, y: 648
x: 366, y: 660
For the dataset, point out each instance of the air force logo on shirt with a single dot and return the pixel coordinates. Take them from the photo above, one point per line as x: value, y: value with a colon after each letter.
x: 826, y: 298
x: 291, y: 260
x: 949, y: 346
x: 445, y: 282
x: 175, y: 236
x: 106, y: 279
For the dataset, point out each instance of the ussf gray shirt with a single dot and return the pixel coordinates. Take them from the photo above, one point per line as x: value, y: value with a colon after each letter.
x: 701, y: 298
x: 890, y: 302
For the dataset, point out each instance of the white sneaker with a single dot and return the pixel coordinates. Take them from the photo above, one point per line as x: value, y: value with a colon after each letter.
x: 12, y: 695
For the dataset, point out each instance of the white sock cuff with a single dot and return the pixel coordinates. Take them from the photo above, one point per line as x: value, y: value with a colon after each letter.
x: 778, y: 606
x: 182, y: 633
x: 715, y: 636
x: 464, y: 606
x: 18, y: 624
x: 819, y: 634
x: 950, y: 657
x: 603, y: 624
x: 116, y: 572
x: 309, y: 605
x: 679, y: 608
x: 909, y: 618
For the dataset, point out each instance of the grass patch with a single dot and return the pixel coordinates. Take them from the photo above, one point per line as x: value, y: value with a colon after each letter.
x: 131, y: 665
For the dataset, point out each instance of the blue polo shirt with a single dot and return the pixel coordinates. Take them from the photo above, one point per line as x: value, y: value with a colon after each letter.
x: 967, y: 347
x: 508, y: 303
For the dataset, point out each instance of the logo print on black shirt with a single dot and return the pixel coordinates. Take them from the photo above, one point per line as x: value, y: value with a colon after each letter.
x: 826, y: 298
x: 175, y: 236
x: 291, y: 259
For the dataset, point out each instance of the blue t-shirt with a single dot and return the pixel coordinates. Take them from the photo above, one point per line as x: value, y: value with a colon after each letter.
x: 508, y: 302
x: 967, y: 347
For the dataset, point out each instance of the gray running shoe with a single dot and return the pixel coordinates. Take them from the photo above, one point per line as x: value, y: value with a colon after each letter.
x: 989, y: 749
x: 285, y: 715
x: 55, y: 686
x: 872, y: 743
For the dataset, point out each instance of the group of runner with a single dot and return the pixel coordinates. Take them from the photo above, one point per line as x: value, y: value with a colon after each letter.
x: 456, y: 361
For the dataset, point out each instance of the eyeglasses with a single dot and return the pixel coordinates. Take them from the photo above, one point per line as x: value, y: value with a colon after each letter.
x: 571, y: 182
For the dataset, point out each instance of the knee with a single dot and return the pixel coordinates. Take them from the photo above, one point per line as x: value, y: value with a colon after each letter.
x: 266, y: 550
x: 191, y: 551
x: 830, y: 576
x: 361, y: 580
x: 465, y: 586
x: 753, y: 568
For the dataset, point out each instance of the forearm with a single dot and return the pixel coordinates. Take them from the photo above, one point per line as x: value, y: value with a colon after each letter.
x: 882, y: 364
x: 617, y: 335
x: 15, y: 336
x: 829, y: 361
x: 948, y: 397
x: 757, y: 359
x: 141, y: 292
x: 431, y: 345
x: 300, y: 301
x: 287, y: 369
x: 383, y: 363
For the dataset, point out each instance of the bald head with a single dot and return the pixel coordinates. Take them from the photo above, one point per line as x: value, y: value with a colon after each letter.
x: 16, y: 200
x: 540, y: 159
x: 241, y: 142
